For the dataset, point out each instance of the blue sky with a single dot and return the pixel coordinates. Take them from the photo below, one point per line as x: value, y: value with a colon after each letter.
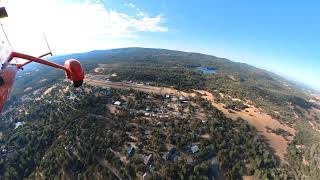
x: 281, y: 36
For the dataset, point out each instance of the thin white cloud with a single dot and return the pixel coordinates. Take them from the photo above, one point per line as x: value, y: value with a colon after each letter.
x: 73, y: 26
x: 139, y: 13
x: 130, y: 5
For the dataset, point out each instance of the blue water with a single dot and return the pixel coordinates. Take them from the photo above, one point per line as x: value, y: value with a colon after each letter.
x: 206, y: 70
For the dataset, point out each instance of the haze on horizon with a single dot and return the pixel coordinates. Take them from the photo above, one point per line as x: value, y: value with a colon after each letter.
x: 283, y: 37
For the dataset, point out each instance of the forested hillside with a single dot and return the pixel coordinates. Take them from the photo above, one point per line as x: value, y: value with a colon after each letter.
x: 73, y: 134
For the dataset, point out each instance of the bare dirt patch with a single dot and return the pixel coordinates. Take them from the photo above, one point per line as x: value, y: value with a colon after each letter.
x: 206, y: 136
x: 247, y: 177
x: 48, y: 90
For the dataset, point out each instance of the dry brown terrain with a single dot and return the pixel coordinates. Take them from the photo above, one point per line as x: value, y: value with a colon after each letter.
x: 247, y: 177
x: 312, y: 114
x: 254, y: 116
x: 260, y: 121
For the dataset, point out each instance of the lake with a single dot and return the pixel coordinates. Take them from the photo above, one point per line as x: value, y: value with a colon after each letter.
x: 206, y: 70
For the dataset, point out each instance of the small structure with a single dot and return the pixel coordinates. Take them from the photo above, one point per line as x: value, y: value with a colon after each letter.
x: 130, y: 151
x: 194, y: 149
x: 148, y: 108
x: 181, y: 98
x: 167, y: 96
x: 18, y: 124
x: 147, y: 159
x: 117, y: 103
x: 114, y: 75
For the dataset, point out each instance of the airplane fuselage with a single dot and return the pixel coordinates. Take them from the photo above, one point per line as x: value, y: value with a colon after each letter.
x: 7, y: 77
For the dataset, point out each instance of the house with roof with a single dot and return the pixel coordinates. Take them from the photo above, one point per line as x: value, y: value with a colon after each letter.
x: 130, y: 151
x: 181, y: 98
x: 147, y: 159
x: 148, y: 108
x: 193, y: 148
x: 117, y: 103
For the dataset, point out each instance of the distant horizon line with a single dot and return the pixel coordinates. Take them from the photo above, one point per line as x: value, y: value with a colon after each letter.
x: 285, y: 76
